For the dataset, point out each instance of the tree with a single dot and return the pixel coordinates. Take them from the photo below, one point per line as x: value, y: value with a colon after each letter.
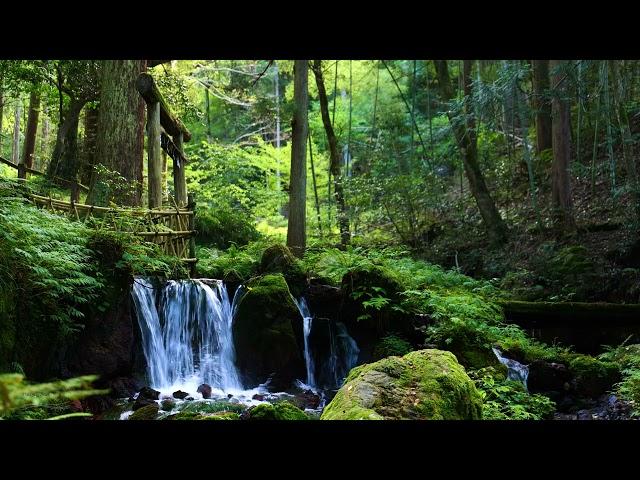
x: 120, y: 135
x: 296, y: 229
x: 541, y: 104
x: 32, y: 128
x: 561, y: 129
x: 334, y: 155
x: 464, y: 129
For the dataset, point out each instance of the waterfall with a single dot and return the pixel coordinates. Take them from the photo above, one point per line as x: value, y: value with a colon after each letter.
x: 187, y: 340
x: 515, y: 370
x: 343, y: 352
x: 307, y: 320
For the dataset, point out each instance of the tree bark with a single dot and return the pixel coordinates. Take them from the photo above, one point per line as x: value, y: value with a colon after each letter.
x: 15, y: 145
x: 343, y: 218
x: 32, y: 129
x: 465, y: 133
x: 297, y: 222
x: 64, y: 159
x: 120, y: 134
x: 89, y: 144
x: 561, y: 130
x: 541, y: 104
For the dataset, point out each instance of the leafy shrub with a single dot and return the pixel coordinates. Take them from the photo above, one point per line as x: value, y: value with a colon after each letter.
x: 508, y: 400
x: 224, y: 227
x: 391, y: 345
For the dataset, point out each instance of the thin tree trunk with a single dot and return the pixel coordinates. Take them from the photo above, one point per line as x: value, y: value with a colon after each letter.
x: 206, y: 96
x: 120, y: 135
x: 315, y: 186
x: 467, y: 142
x: 1, y: 110
x: 561, y: 129
x: 296, y: 229
x: 542, y: 105
x: 277, y: 93
x: 15, y: 145
x: 334, y: 154
x: 32, y: 129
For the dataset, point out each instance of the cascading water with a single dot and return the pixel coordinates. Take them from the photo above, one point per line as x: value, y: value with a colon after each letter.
x: 343, y: 352
x: 188, y: 340
x: 515, y: 370
x: 307, y: 321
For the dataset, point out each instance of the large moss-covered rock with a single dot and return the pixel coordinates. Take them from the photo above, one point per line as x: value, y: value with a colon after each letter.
x: 277, y: 411
x: 263, y: 333
x: 422, y: 385
x: 593, y: 377
x: 150, y: 412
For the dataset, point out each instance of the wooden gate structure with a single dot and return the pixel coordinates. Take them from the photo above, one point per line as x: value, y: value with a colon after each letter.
x: 172, y: 225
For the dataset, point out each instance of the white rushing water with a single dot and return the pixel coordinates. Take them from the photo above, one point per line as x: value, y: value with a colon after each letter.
x: 515, y: 370
x: 307, y: 322
x: 188, y: 339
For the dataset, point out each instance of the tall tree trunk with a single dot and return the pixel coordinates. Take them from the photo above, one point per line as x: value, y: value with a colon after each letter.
x: 296, y: 228
x: 89, y: 144
x: 561, y: 129
x: 541, y: 104
x: 120, y: 135
x: 343, y: 218
x: 465, y: 133
x: 64, y: 159
x: 15, y: 145
x: 44, y: 139
x: 32, y: 129
x: 1, y: 109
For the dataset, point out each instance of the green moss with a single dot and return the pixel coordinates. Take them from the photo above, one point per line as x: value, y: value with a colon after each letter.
x: 222, y: 416
x: 202, y: 407
x: 149, y: 412
x: 277, y: 411
x: 592, y: 377
x: 279, y: 259
x: 422, y: 385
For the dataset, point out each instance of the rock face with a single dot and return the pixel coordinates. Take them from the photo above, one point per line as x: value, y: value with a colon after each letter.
x: 263, y: 333
x: 422, y: 385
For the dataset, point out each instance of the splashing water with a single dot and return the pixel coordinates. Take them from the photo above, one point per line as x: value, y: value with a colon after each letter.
x: 188, y: 339
x: 515, y: 370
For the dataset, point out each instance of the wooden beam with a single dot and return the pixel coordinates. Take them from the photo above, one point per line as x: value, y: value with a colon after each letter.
x: 179, y: 179
x: 154, y: 152
x: 171, y: 149
x: 149, y: 90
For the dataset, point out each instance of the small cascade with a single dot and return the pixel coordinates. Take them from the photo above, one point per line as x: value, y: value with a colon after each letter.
x: 307, y: 321
x: 515, y: 370
x: 187, y: 340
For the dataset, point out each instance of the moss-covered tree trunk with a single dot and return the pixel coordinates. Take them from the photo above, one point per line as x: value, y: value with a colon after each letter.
x: 297, y: 224
x: 541, y: 104
x: 120, y: 134
x: 64, y: 159
x: 466, y: 137
x: 561, y: 129
x: 89, y: 144
x: 343, y: 218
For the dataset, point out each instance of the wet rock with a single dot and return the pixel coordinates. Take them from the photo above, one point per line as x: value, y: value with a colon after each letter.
x: 168, y: 405
x: 258, y: 397
x: 548, y: 377
x: 180, y: 395
x: 229, y: 395
x: 148, y: 412
x: 146, y: 396
x: 189, y: 399
x: 205, y: 390
x: 306, y: 399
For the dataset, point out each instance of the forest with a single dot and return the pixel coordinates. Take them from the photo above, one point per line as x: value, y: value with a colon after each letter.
x: 319, y: 240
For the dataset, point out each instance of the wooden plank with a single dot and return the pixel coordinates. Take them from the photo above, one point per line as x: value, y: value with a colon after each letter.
x: 149, y: 90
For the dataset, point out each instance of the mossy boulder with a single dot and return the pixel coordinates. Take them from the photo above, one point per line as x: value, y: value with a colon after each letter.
x: 279, y: 259
x: 150, y: 412
x: 422, y: 385
x: 592, y: 377
x: 222, y: 416
x: 263, y: 333
x: 277, y: 411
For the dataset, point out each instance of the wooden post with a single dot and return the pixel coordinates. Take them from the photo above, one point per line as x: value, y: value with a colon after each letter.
x: 179, y: 179
x: 191, y: 205
x: 154, y: 151
x: 75, y: 192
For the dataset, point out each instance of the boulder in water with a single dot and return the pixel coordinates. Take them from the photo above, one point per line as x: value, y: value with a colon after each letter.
x: 277, y: 411
x: 592, y: 377
x: 205, y: 390
x: 148, y: 412
x: 263, y: 333
x: 548, y: 377
x: 168, y: 405
x: 180, y: 395
x: 422, y: 385
x: 146, y: 396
